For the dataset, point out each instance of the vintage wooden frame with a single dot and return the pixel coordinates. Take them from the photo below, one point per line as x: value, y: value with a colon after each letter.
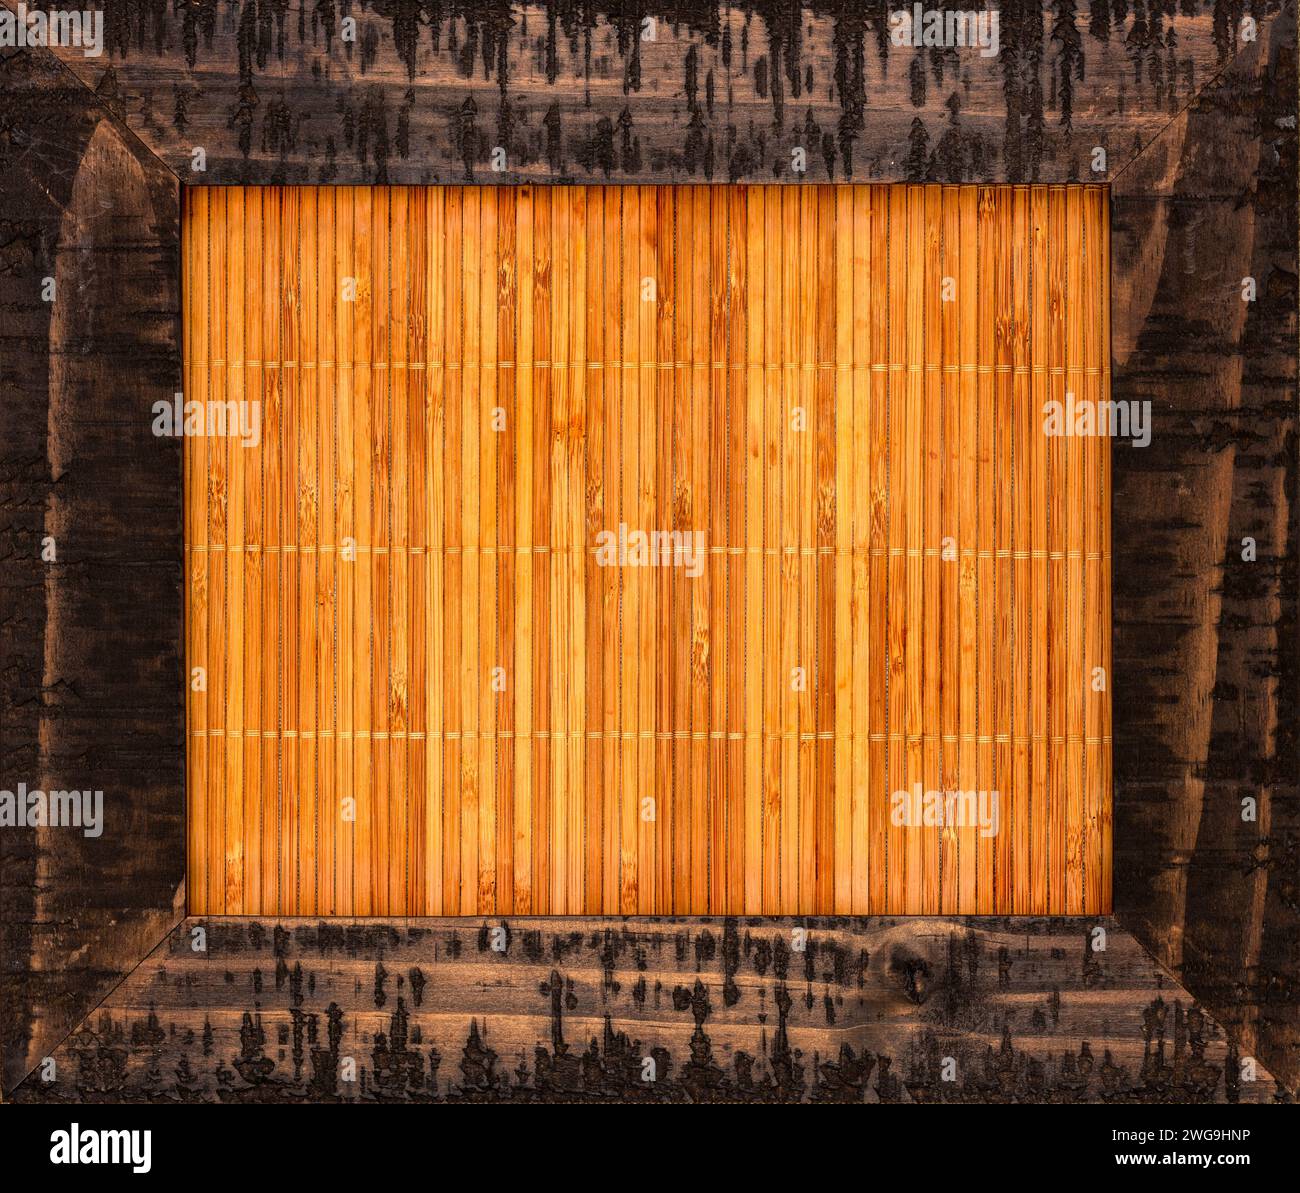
x: 111, y: 993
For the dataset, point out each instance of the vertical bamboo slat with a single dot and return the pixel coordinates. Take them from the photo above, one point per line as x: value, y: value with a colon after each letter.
x: 647, y: 550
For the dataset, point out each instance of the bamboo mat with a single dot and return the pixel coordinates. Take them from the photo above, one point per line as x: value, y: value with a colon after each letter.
x: 428, y: 684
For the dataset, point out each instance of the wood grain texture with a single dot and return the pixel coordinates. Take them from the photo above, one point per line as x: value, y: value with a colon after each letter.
x: 90, y: 657
x: 427, y: 90
x: 443, y: 672
x: 728, y: 1010
x: 1206, y: 648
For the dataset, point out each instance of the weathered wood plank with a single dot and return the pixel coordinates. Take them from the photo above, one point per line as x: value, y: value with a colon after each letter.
x: 1206, y: 650
x: 427, y: 92
x: 90, y: 587
x: 728, y: 1010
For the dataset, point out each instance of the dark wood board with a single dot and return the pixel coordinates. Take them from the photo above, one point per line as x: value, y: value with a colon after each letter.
x: 89, y: 641
x: 1028, y: 1010
x: 1205, y: 642
x: 577, y: 91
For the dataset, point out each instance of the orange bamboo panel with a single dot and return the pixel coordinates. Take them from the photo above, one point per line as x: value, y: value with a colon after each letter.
x: 646, y: 550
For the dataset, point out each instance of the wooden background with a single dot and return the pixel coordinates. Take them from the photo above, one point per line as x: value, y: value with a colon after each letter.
x: 1204, y: 644
x: 467, y: 387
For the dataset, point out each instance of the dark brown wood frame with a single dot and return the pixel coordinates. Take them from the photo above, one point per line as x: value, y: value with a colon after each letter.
x: 104, y: 995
